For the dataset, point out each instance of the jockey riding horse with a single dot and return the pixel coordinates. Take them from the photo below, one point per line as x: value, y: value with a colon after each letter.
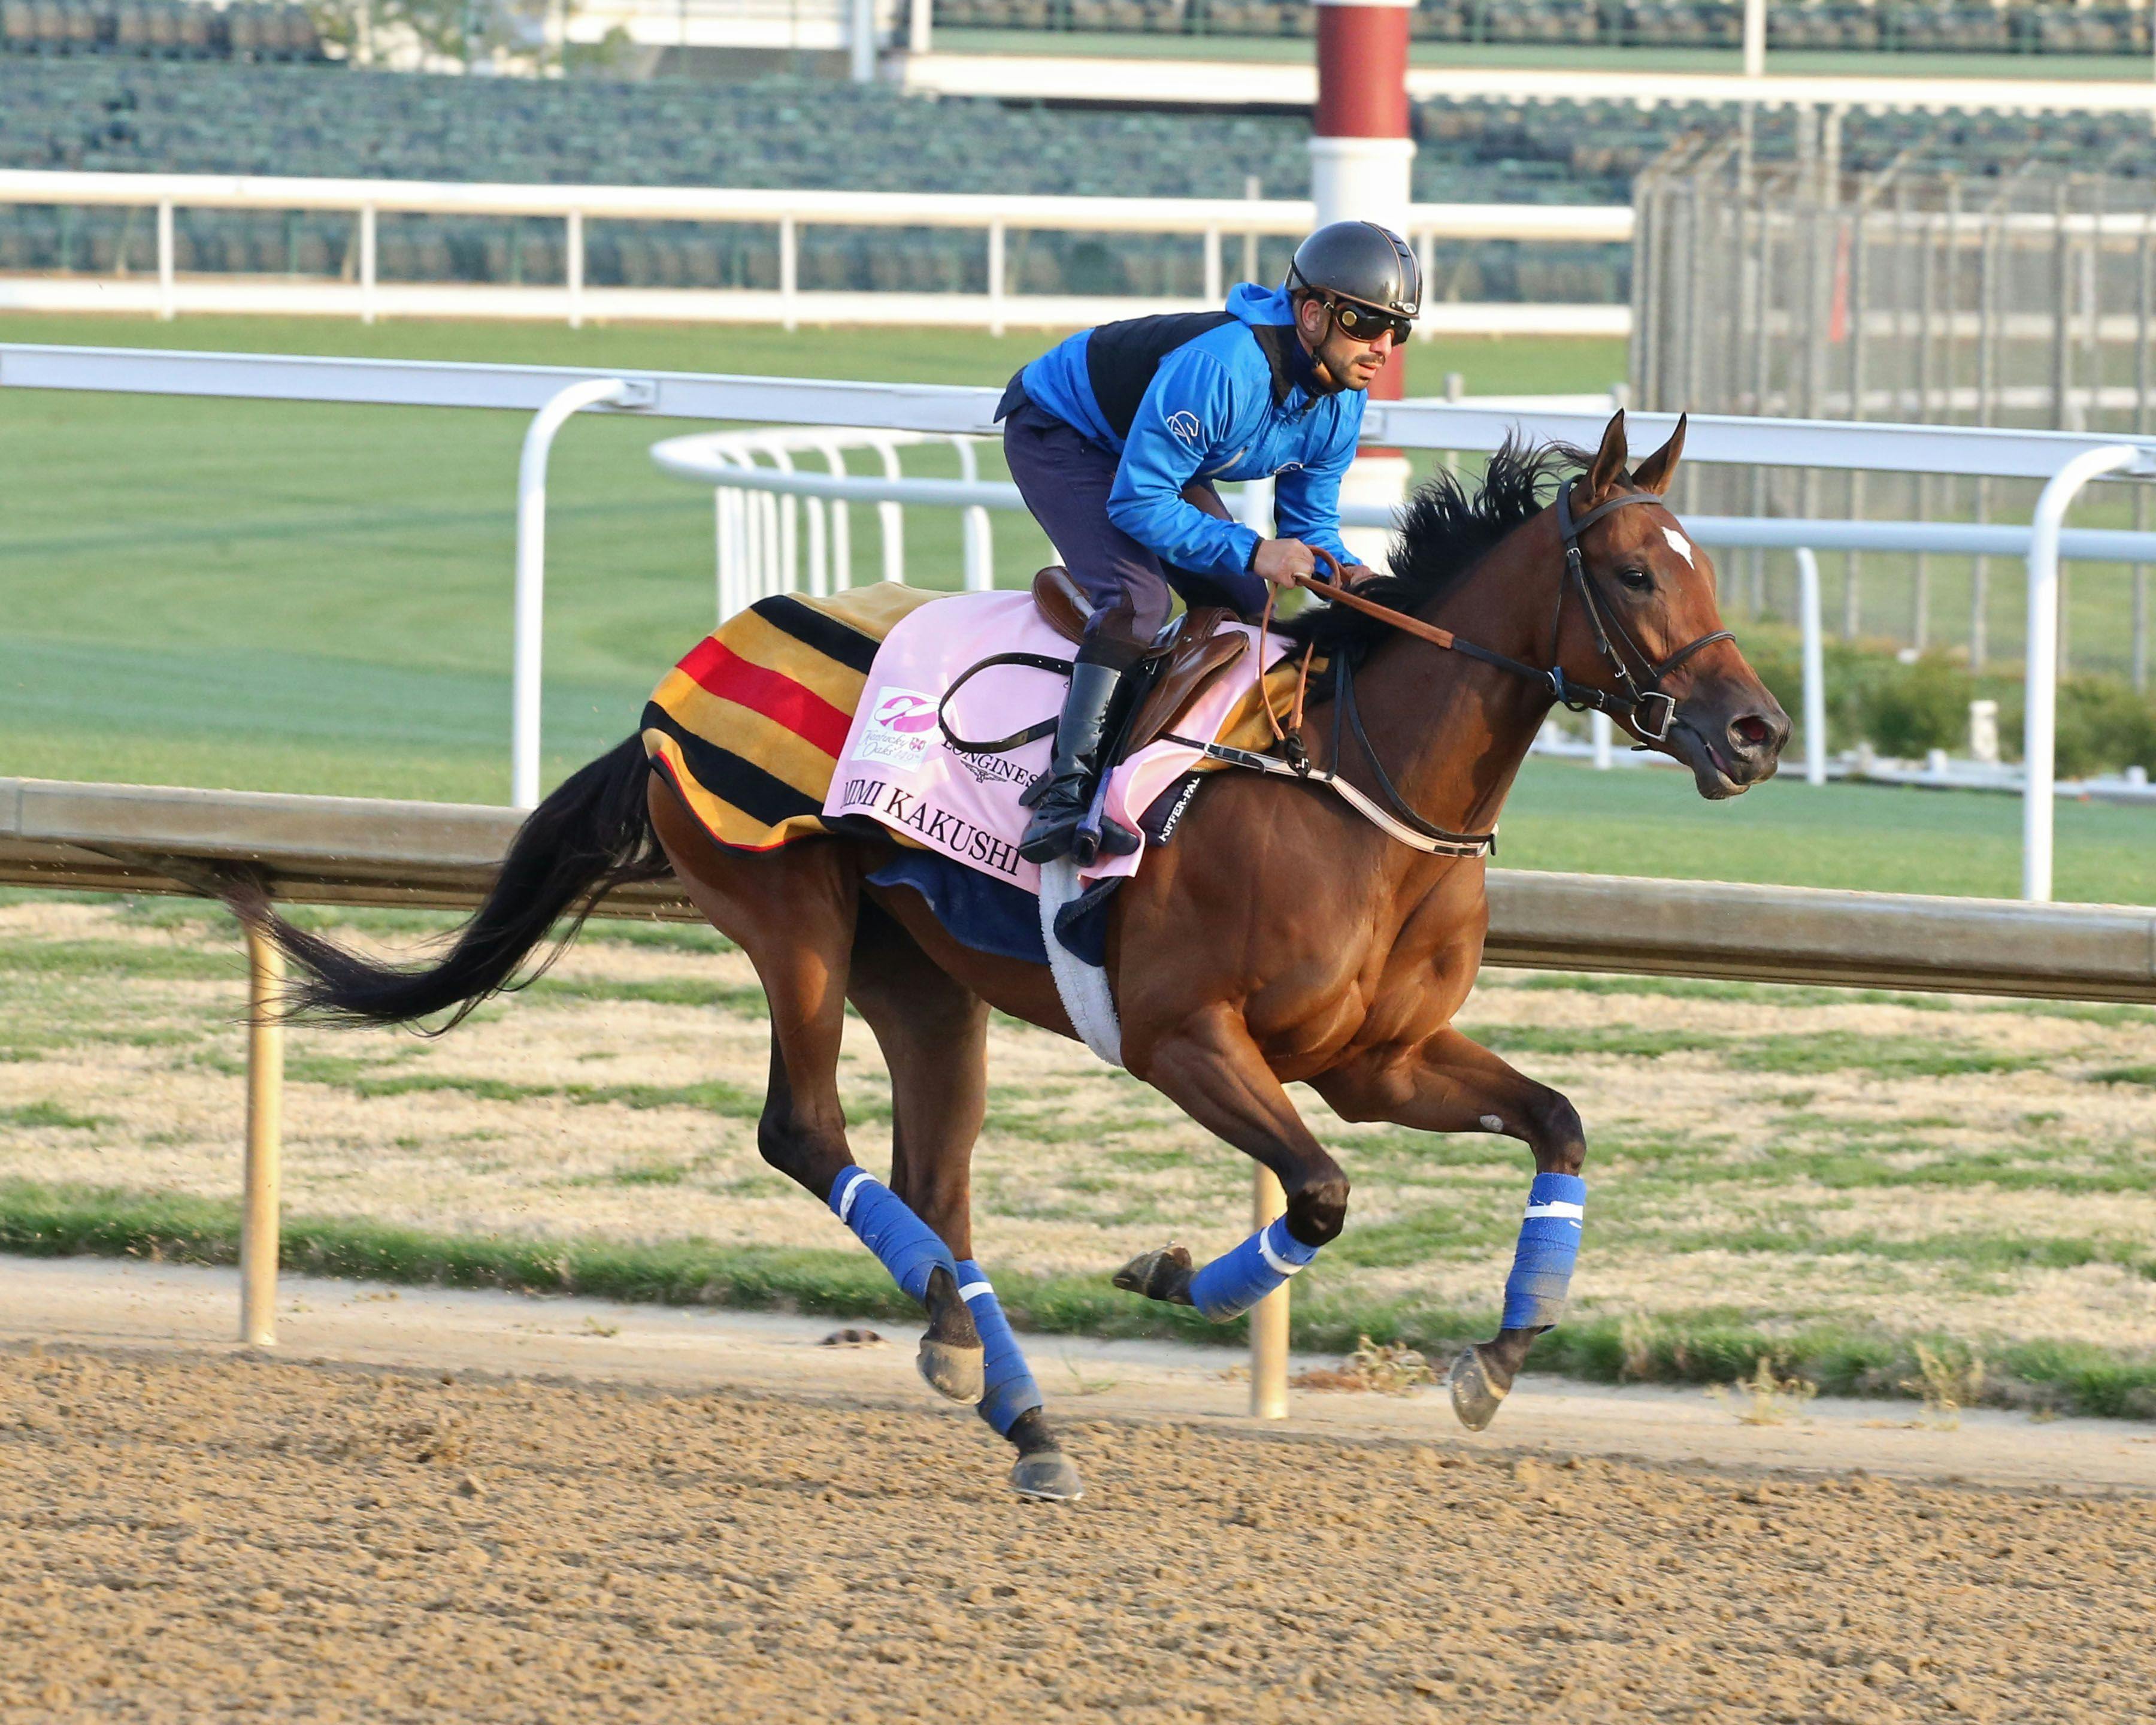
x: 1117, y: 435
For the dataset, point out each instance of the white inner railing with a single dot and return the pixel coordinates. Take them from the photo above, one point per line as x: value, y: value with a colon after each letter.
x: 2065, y: 461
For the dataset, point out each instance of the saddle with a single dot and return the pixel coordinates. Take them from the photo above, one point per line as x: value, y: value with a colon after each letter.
x: 1181, y: 663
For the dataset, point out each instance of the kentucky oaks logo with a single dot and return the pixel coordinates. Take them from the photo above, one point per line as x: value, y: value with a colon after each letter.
x: 901, y: 724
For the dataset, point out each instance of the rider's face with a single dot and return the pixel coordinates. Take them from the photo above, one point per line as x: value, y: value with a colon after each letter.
x: 1356, y: 362
x: 1351, y: 361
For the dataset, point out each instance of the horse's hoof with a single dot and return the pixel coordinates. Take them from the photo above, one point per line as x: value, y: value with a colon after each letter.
x: 1164, y: 1275
x: 1477, y: 1395
x: 1048, y: 1475
x: 952, y: 1371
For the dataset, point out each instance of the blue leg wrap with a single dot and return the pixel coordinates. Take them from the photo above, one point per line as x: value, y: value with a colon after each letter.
x: 1549, y: 1246
x: 1011, y: 1390
x: 1235, y: 1282
x: 888, y: 1227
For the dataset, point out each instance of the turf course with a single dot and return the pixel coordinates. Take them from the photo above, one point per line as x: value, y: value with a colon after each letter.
x: 313, y: 598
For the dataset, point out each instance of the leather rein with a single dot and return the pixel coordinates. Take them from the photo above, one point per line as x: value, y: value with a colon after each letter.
x: 1640, y: 701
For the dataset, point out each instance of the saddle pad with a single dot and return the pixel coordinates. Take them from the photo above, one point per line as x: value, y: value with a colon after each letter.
x: 749, y: 726
x: 896, y: 766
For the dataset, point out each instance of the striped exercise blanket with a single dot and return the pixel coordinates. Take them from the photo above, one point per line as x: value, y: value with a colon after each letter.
x: 749, y: 727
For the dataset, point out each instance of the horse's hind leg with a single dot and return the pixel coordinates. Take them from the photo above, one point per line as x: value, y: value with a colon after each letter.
x: 793, y: 914
x: 933, y: 1032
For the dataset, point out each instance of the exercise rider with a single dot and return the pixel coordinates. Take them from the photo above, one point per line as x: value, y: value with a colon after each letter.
x: 1117, y: 435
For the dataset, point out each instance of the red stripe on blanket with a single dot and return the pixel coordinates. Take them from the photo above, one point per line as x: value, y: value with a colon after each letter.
x: 726, y: 673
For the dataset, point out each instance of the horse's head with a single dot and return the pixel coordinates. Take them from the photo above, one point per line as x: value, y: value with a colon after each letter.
x: 1638, y: 621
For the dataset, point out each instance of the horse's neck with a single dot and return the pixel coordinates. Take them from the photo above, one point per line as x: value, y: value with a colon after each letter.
x: 1451, y: 730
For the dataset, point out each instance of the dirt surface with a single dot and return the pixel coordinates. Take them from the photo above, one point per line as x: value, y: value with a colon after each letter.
x: 190, y: 1535
x: 185, y: 1537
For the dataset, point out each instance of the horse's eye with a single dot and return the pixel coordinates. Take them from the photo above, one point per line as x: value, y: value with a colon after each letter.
x: 1637, y: 580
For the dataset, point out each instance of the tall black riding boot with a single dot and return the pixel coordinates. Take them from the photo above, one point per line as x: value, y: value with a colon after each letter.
x: 1061, y: 801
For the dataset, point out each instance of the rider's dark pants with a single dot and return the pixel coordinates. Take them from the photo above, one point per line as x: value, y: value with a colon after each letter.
x: 1066, y: 479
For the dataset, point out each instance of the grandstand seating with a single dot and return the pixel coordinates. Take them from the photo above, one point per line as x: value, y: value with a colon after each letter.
x: 1910, y: 26
x: 112, y: 114
x: 158, y: 29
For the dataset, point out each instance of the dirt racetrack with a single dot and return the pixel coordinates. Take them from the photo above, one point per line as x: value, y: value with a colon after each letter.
x: 186, y: 1537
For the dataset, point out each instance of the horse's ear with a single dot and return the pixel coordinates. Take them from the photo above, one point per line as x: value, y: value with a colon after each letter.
x: 1654, y: 474
x: 1609, y: 459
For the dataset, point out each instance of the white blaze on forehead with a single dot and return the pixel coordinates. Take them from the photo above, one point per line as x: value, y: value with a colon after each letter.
x: 1678, y: 544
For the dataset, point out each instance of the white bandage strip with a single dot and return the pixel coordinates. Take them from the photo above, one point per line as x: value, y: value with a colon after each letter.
x: 1558, y: 1206
x: 974, y: 1290
x: 1278, y: 1265
x: 852, y: 1192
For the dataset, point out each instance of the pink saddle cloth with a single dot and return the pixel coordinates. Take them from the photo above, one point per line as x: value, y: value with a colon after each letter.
x: 897, y: 767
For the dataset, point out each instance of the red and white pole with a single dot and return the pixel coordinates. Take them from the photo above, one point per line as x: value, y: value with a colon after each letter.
x: 1362, y: 165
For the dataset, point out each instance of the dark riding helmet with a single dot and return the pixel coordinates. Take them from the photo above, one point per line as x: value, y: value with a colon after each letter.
x: 1360, y: 261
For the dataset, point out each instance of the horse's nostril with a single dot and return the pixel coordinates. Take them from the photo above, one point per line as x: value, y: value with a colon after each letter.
x: 1751, y: 733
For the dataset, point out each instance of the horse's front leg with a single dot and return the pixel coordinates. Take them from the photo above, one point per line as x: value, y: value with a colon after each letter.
x: 1210, y: 1068
x: 1448, y: 1083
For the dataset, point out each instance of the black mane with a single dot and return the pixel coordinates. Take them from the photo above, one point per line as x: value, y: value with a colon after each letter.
x: 1444, y: 531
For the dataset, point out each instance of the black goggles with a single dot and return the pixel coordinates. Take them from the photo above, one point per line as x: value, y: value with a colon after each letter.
x: 1366, y: 323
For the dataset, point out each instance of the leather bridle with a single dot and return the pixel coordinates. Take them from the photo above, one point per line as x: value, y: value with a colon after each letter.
x: 1635, y: 703
x: 1638, y: 698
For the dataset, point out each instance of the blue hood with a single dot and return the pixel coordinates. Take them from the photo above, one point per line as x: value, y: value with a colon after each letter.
x: 1257, y: 305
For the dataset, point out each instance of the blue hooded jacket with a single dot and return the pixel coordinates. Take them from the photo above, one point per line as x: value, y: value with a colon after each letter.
x: 1218, y: 395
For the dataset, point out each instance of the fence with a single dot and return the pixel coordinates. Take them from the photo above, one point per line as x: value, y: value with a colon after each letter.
x: 1212, y: 223
x: 2066, y: 463
x: 1796, y: 288
x: 349, y: 851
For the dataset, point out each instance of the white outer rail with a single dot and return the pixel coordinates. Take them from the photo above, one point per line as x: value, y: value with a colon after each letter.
x: 1584, y: 223
x: 1714, y: 439
x: 2039, y: 736
x: 1814, y: 658
x: 531, y: 603
x: 994, y: 214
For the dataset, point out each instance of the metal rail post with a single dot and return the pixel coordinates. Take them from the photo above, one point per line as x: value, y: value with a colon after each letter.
x: 532, y: 568
x: 789, y: 273
x: 265, y: 1116
x: 980, y: 546
x: 861, y: 41
x: 367, y: 263
x: 572, y: 265
x: 166, y: 297
x: 1814, y: 659
x: 2039, y: 732
x: 1268, y: 1316
x: 996, y: 277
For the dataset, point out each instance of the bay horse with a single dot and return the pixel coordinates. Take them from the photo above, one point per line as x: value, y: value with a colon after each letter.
x: 1284, y: 937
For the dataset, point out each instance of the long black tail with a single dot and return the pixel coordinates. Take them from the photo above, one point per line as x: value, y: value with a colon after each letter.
x: 591, y: 835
